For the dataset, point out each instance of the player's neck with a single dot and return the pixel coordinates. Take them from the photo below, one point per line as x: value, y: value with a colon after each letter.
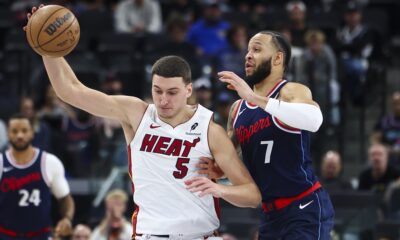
x: 264, y: 87
x: 23, y: 157
x: 181, y: 117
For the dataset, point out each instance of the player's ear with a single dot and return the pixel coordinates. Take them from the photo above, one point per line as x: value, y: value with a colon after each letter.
x: 189, y: 90
x: 278, y: 58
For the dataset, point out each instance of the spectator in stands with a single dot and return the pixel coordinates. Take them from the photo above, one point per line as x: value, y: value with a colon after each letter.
x: 232, y: 57
x: 208, y: 33
x: 294, y: 71
x: 253, y: 6
x: 42, y: 138
x: 53, y: 111
x: 355, y: 46
x: 3, y: 135
x: 203, y: 92
x: 81, y: 142
x: 138, y: 16
x: 319, y: 73
x: 224, y: 103
x: 331, y: 170
x: 378, y: 175
x: 188, y: 10
x: 387, y: 130
x: 296, y: 11
x: 176, y: 44
x: 81, y: 232
x: 228, y: 236
x: 112, y: 142
x: 114, y: 226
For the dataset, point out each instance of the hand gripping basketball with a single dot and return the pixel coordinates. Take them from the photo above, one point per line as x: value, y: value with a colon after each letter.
x: 52, y: 30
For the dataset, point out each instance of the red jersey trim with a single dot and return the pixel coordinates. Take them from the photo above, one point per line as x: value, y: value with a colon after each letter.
x: 285, y: 127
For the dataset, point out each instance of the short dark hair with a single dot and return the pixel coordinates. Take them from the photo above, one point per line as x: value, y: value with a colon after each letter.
x: 282, y: 44
x: 172, y: 66
x: 19, y: 116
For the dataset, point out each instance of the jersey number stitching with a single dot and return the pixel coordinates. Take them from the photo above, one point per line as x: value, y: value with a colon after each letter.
x: 27, y: 198
x: 268, y: 152
x: 181, y: 167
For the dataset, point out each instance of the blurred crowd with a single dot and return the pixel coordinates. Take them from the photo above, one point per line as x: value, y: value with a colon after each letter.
x: 338, y: 49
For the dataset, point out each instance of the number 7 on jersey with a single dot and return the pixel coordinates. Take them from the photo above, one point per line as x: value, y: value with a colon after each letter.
x: 268, y: 152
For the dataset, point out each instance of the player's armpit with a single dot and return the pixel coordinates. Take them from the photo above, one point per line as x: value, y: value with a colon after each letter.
x: 244, y: 192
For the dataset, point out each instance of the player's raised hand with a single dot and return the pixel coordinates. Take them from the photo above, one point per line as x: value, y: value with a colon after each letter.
x: 236, y: 83
x: 29, y: 15
x: 204, y: 186
x: 209, y: 167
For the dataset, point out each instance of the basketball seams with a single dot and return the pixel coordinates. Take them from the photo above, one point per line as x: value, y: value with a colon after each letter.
x: 44, y: 23
x: 66, y: 28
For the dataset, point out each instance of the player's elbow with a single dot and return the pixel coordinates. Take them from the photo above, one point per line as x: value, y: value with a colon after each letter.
x: 256, y: 200
x: 316, y: 121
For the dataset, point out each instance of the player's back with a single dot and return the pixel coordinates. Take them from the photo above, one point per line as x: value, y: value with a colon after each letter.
x: 25, y: 198
x: 276, y: 155
x: 162, y: 157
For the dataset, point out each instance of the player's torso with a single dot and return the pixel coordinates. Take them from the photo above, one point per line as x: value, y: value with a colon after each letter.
x: 162, y: 158
x: 276, y: 155
x: 25, y: 198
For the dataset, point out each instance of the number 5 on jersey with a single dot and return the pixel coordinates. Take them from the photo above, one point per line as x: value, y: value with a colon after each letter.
x: 268, y: 151
x: 181, y: 167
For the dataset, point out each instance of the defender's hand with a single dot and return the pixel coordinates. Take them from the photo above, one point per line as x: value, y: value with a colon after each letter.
x: 209, y: 166
x: 236, y: 83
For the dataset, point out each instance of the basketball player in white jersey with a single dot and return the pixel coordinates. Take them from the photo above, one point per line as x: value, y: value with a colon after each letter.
x: 165, y: 142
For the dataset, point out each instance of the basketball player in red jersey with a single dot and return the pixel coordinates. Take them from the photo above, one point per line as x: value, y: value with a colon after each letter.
x: 165, y: 142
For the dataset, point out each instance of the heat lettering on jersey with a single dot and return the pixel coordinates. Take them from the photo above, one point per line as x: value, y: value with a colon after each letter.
x: 244, y: 133
x: 13, y: 183
x: 167, y: 146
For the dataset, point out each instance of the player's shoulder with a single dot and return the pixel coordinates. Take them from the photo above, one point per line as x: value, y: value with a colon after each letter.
x: 52, y: 159
x: 294, y: 89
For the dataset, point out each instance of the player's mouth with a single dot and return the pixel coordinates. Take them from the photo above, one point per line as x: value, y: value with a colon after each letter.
x: 249, y: 66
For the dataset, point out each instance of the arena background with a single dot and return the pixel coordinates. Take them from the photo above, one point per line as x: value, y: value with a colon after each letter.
x: 116, y: 58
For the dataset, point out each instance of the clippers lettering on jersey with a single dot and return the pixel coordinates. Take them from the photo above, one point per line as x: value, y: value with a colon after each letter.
x: 13, y: 183
x: 244, y: 133
x: 167, y: 146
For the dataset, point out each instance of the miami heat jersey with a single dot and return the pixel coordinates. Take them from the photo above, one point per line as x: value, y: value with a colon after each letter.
x: 24, y: 192
x: 276, y: 155
x: 162, y: 157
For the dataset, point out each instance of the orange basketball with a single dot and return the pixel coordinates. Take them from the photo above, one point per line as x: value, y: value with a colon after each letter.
x: 53, y: 31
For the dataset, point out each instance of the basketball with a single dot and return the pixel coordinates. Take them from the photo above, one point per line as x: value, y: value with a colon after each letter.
x: 53, y: 31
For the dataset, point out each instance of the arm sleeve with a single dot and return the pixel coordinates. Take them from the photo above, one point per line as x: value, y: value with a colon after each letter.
x: 56, y: 177
x: 298, y: 115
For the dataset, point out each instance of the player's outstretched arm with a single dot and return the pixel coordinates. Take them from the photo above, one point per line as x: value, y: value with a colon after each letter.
x: 295, y: 107
x: 72, y: 91
x: 243, y: 192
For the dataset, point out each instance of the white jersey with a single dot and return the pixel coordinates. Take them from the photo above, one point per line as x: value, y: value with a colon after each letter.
x: 161, y: 159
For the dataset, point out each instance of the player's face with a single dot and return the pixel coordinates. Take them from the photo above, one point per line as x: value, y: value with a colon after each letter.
x: 20, y: 134
x: 258, y: 58
x: 170, y: 95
